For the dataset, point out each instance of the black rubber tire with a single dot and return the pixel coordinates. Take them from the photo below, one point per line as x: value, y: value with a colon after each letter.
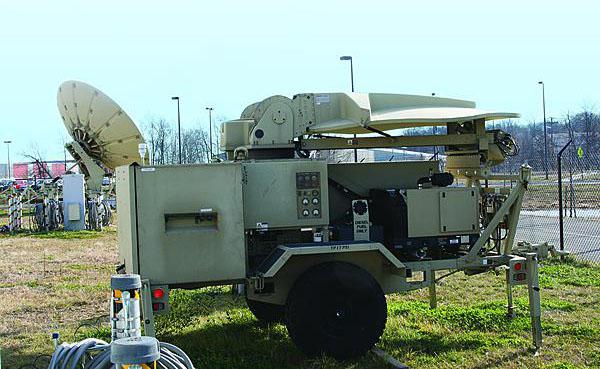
x: 336, y: 308
x: 265, y: 312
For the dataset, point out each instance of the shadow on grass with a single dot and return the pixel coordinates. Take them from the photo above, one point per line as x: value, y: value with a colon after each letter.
x: 230, y: 337
x: 17, y: 360
x: 241, y: 343
x: 187, y: 305
x: 430, y: 343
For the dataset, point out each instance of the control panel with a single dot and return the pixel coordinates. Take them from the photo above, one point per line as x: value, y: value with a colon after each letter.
x: 285, y: 194
x: 308, y: 194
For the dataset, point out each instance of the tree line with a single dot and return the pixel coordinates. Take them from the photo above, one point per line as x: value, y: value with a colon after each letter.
x: 163, y: 143
x: 582, y: 128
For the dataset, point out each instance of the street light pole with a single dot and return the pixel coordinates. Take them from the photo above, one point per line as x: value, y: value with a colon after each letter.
x: 348, y: 57
x: 210, y: 109
x: 435, y: 149
x: 351, y: 75
x: 545, y: 135
x: 7, y: 142
x: 178, y: 126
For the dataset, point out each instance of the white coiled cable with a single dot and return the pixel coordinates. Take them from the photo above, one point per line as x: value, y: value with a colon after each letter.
x: 92, y: 353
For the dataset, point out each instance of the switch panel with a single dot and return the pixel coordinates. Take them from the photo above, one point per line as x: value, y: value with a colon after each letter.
x: 308, y: 193
x: 285, y: 193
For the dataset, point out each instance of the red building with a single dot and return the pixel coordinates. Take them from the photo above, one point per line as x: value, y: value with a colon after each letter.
x: 20, y: 170
x: 58, y: 169
x: 40, y: 170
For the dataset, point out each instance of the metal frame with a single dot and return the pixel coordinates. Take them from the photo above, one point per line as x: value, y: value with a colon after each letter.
x: 471, y: 261
x: 147, y: 312
x: 533, y: 289
x: 510, y: 207
x: 340, y: 143
x: 330, y: 248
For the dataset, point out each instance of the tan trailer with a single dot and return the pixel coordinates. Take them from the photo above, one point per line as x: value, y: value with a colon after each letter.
x: 318, y: 244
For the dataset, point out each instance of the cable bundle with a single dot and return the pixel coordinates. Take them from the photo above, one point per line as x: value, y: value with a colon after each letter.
x: 68, y: 355
x: 128, y: 347
x: 92, y: 353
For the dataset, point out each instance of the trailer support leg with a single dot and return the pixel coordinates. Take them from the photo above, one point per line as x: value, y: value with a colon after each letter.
x: 432, y: 293
x: 535, y: 311
x: 147, y: 312
x: 509, y: 297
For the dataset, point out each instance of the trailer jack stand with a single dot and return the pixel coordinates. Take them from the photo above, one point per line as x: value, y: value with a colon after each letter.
x: 521, y: 271
x: 535, y: 311
x: 147, y: 312
x: 432, y: 292
x: 510, y: 313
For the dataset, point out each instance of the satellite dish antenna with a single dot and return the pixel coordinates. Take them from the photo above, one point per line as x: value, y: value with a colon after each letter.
x: 98, y: 124
x: 104, y: 137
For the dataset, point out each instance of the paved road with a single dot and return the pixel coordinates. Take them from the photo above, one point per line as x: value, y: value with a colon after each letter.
x: 582, y: 235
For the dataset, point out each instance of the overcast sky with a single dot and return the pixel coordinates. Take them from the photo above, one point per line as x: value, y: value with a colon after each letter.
x: 229, y: 54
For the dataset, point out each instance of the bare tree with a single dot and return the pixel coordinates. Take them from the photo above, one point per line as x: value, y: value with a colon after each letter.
x: 162, y: 139
x: 36, y: 155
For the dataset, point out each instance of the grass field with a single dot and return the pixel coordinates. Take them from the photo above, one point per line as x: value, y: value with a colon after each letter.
x: 60, y: 281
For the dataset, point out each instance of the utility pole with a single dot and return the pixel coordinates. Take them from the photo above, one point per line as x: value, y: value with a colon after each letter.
x: 545, y: 134
x: 210, y: 109
x: 8, y: 142
x: 348, y: 57
x: 178, y: 125
x: 551, y: 128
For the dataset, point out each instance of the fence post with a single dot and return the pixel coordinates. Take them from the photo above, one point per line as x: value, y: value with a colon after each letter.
x: 19, y: 213
x: 560, y: 204
x: 10, y: 212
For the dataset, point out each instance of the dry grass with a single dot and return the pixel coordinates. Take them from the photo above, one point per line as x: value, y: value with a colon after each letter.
x: 48, y: 285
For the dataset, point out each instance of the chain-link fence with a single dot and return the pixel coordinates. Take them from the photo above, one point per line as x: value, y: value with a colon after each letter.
x: 539, y: 220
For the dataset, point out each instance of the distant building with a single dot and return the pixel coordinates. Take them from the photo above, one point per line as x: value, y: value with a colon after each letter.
x: 3, y: 171
x: 28, y: 170
x: 40, y: 170
x: 58, y: 169
x: 20, y: 170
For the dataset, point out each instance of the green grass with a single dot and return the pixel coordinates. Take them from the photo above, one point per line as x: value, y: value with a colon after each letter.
x: 569, y: 273
x: 217, y: 331
x: 65, y: 235
x: 61, y: 234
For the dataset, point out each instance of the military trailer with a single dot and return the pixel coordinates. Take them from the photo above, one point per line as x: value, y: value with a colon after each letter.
x: 318, y: 244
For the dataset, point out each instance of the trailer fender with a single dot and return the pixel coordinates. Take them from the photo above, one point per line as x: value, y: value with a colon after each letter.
x: 280, y: 256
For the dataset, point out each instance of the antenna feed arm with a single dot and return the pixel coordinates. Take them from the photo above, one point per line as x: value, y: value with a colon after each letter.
x: 93, y: 172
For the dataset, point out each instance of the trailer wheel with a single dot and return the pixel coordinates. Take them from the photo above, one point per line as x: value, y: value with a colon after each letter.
x: 336, y: 308
x: 265, y: 312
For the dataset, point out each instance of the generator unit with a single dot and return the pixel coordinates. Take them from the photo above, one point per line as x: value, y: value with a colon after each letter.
x: 318, y: 244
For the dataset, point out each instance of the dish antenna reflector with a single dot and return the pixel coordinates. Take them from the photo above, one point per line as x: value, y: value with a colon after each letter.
x: 98, y: 124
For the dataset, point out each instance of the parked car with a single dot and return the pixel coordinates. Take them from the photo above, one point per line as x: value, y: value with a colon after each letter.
x: 5, y: 184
